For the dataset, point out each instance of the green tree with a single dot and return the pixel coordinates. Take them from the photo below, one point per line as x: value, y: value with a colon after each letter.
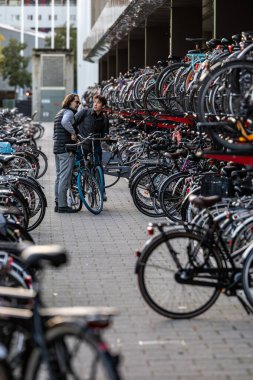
x: 14, y: 66
x: 60, y: 43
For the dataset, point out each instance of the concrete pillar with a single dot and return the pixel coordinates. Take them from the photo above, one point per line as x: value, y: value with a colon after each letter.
x: 186, y: 21
x: 87, y: 73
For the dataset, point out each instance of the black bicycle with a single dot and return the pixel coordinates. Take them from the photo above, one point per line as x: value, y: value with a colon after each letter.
x: 182, y: 272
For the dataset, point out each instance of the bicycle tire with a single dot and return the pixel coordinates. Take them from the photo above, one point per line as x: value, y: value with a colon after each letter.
x: 100, y: 178
x: 185, y: 301
x: 247, y: 277
x: 43, y: 162
x: 15, y: 276
x: 90, y: 192
x: 145, y: 189
x: 216, y: 134
x: 37, y: 203
x: 61, y: 359
x: 171, y: 196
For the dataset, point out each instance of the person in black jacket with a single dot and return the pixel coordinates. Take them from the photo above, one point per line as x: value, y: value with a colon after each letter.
x: 64, y: 133
x: 93, y: 121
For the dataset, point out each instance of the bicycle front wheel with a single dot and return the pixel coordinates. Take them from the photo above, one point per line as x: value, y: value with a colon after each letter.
x: 247, y: 277
x: 90, y: 192
x: 178, y: 275
x: 74, y: 354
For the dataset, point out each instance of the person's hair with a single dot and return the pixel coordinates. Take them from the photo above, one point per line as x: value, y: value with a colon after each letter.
x: 68, y: 99
x: 101, y: 98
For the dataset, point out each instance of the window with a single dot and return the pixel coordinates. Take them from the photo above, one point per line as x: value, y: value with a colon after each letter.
x: 13, y: 2
x: 30, y: 17
x: 40, y: 17
x: 15, y: 17
x: 50, y: 17
x: 73, y: 17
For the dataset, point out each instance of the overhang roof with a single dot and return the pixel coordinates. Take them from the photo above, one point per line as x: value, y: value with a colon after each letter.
x: 116, y: 20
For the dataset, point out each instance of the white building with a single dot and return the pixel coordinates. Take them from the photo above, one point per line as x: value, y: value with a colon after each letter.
x: 10, y: 13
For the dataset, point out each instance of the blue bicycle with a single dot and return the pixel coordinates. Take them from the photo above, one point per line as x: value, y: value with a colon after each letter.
x: 87, y: 178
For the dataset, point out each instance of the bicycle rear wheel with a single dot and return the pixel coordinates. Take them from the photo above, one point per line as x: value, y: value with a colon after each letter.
x: 168, y: 285
x: 90, y: 192
x: 247, y: 277
x: 74, y: 353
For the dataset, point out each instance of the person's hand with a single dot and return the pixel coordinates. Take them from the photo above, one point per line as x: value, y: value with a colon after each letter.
x: 73, y: 137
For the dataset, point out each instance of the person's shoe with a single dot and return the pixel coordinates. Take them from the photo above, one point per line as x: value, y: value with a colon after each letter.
x: 56, y: 207
x: 104, y: 197
x: 66, y: 209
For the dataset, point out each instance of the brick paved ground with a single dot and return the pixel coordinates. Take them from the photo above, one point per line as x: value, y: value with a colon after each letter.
x: 216, y: 345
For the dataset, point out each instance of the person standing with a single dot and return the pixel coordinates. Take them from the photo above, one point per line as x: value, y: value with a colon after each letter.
x: 93, y: 121
x: 64, y: 133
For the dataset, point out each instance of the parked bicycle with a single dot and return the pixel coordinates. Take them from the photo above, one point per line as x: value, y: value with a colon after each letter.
x: 52, y: 343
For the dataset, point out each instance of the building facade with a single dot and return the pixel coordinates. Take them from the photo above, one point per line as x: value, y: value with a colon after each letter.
x: 10, y: 13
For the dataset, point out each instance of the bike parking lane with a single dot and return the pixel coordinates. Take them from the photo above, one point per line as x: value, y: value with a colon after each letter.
x: 216, y: 345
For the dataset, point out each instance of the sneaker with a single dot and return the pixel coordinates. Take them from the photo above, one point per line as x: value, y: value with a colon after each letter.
x: 104, y: 197
x: 66, y: 209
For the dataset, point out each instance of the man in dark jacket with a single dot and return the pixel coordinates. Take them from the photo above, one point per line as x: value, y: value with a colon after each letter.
x: 93, y: 121
x: 64, y: 133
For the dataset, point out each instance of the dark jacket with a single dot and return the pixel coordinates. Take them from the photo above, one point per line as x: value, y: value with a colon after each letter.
x: 62, y: 135
x: 88, y: 122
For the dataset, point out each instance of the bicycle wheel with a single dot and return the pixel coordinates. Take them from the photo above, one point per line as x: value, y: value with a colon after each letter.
x: 73, y: 197
x: 247, y: 277
x: 145, y: 190
x: 42, y: 162
x: 100, y: 178
x: 171, y: 194
x: 16, y: 275
x: 223, y: 91
x: 36, y: 200
x: 90, y: 192
x: 175, y: 287
x: 74, y: 353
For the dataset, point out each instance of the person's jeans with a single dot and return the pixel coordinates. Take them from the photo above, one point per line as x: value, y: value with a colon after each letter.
x: 64, y: 163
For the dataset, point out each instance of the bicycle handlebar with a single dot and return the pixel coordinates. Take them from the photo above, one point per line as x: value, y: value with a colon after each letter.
x: 84, y: 139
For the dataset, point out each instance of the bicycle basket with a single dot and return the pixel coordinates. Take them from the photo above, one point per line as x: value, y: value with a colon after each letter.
x: 216, y: 185
x: 5, y: 147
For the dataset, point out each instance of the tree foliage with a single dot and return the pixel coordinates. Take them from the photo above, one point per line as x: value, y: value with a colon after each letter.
x: 14, y: 66
x: 60, y: 43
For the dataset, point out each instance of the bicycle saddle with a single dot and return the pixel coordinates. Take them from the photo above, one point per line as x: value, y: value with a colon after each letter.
x: 6, y: 158
x: 34, y: 255
x: 213, y: 43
